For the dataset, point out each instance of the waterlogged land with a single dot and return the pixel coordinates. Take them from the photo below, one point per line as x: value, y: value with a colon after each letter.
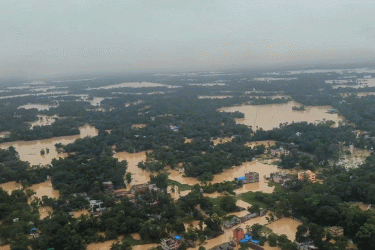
x: 30, y: 150
x: 139, y: 176
x: 270, y: 116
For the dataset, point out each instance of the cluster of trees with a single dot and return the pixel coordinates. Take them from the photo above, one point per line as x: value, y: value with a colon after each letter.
x: 12, y: 169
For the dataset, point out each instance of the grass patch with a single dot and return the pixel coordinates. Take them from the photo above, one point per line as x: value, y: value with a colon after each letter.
x: 181, y: 187
x: 252, y: 198
x: 132, y: 241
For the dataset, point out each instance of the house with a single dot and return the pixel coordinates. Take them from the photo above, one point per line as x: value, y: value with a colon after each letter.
x: 279, y: 177
x: 279, y: 152
x: 250, y: 177
x: 336, y: 231
x: 310, y: 176
x: 238, y: 234
x: 95, y: 205
x: 225, y: 246
x: 169, y: 244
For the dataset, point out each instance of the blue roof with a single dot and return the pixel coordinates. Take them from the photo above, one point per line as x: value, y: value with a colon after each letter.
x: 177, y: 237
x: 242, y: 178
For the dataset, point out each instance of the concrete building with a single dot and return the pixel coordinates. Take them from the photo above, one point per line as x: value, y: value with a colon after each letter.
x: 238, y: 234
x: 251, y: 177
x: 225, y: 246
x: 310, y: 176
x: 169, y: 244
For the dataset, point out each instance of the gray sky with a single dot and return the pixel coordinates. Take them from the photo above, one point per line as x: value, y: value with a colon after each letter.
x: 48, y: 36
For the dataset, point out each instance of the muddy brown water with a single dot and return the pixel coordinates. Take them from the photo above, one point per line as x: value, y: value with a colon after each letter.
x: 36, y: 106
x: 134, y: 85
x: 10, y: 186
x: 45, y: 189
x: 139, y: 176
x: 30, y: 150
x: 43, y: 120
x: 271, y: 115
x: 234, y: 172
x: 45, y: 211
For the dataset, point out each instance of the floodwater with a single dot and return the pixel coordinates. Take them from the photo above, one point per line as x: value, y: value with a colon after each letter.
x: 188, y: 140
x: 221, y: 140
x: 177, y: 193
x: 214, y: 96
x: 6, y: 247
x: 107, y: 245
x: 194, y: 225
x: 243, y: 204
x: 77, y: 214
x: 36, y: 106
x: 138, y: 126
x: 134, y: 85
x: 11, y: 186
x: 139, y: 176
x: 30, y: 150
x: 232, y: 173
x: 45, y: 211
x: 4, y: 134
x: 43, y: 120
x: 267, y: 143
x: 287, y: 226
x: 228, y: 233
x: 271, y: 115
x: 362, y: 84
x: 362, y: 94
x: 44, y: 189
x: 362, y: 206
x: 135, y: 236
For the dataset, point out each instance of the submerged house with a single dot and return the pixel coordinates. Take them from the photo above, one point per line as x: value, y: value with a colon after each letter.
x: 250, y: 177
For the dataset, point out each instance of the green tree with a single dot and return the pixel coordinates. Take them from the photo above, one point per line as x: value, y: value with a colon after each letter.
x: 228, y: 203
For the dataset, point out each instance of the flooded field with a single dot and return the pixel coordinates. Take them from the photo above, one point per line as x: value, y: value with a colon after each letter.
x: 231, y: 174
x: 242, y: 204
x: 362, y: 84
x: 214, y: 96
x: 287, y: 226
x: 270, y: 116
x: 36, y: 106
x: 139, y: 176
x: 77, y: 214
x: 221, y: 140
x: 43, y: 120
x: 228, y: 233
x: 45, y: 211
x: 268, y: 143
x: 6, y: 247
x: 138, y: 126
x: 107, y: 245
x: 44, y: 189
x: 4, y: 134
x: 10, y: 186
x: 30, y: 150
x: 362, y: 94
x: 193, y: 225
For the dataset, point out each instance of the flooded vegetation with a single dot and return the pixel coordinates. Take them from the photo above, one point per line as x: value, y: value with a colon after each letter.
x: 43, y: 120
x: 44, y: 189
x: 10, y: 186
x: 30, y: 151
x: 287, y: 226
x: 270, y: 116
x: 139, y: 176
x: 39, y: 107
x: 134, y: 85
